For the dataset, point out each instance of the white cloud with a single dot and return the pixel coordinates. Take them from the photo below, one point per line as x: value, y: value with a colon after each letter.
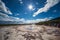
x: 50, y: 3
x: 34, y: 21
x: 4, y: 17
x: 3, y: 11
x: 3, y: 8
x: 21, y: 2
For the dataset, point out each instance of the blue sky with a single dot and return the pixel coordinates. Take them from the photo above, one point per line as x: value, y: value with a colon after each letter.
x: 29, y: 11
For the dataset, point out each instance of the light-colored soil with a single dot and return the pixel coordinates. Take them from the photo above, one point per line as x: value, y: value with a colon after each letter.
x: 29, y: 32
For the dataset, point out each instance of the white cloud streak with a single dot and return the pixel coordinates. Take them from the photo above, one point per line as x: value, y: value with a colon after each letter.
x: 36, y: 20
x: 4, y: 8
x: 4, y: 17
x: 50, y: 3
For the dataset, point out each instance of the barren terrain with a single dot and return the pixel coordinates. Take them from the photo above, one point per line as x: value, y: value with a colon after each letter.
x: 29, y: 32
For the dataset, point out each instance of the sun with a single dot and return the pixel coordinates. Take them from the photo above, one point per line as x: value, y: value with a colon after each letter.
x: 30, y: 7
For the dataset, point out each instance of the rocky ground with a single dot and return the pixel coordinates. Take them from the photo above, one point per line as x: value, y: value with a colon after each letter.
x: 29, y: 32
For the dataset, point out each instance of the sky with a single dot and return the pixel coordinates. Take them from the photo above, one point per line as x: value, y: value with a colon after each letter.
x: 29, y: 11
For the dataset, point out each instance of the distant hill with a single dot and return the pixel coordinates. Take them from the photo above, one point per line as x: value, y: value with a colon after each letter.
x: 52, y: 22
